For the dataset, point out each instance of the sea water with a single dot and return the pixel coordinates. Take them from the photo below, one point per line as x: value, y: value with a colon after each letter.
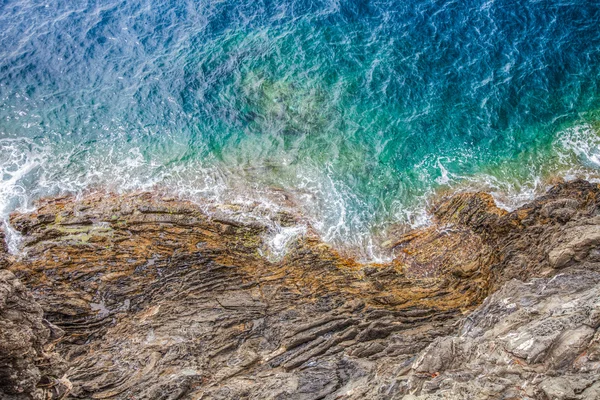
x: 361, y: 112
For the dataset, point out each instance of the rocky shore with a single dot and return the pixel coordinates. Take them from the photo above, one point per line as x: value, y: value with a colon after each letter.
x: 146, y: 297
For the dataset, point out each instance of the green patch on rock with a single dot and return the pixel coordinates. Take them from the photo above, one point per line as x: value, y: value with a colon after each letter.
x: 83, y: 234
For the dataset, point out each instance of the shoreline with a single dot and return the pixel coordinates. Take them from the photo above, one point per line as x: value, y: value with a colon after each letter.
x: 358, y: 229
x: 266, y: 209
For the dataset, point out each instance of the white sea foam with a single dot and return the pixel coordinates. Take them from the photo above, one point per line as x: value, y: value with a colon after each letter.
x: 18, y: 161
x: 583, y: 141
x: 575, y: 154
x: 278, y: 240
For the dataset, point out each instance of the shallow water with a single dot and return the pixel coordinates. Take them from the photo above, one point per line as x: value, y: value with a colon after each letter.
x: 360, y: 110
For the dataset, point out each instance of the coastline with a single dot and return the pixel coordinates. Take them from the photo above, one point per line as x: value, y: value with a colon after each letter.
x: 353, y: 220
x: 144, y: 294
x: 265, y: 205
x: 299, y: 200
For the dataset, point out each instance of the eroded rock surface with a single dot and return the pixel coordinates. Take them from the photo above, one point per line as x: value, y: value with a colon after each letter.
x: 28, y: 366
x: 160, y: 300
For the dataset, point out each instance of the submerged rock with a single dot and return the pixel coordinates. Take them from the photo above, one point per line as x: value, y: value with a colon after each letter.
x: 286, y: 107
x: 159, y: 300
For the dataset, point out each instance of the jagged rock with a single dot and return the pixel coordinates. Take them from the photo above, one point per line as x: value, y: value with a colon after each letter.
x: 518, y: 342
x: 28, y: 367
x: 576, y: 245
x: 164, y: 299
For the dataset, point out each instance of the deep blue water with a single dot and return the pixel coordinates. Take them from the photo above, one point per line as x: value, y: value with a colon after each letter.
x: 361, y: 111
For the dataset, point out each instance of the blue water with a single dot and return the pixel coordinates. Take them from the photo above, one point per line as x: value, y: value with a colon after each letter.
x: 360, y: 112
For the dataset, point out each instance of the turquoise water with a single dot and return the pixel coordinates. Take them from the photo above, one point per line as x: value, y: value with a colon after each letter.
x: 360, y: 111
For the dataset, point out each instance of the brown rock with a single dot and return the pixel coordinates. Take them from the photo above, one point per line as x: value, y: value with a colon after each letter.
x: 159, y: 299
x: 28, y: 366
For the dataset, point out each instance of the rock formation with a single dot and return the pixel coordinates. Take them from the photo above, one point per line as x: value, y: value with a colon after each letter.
x: 161, y: 299
x: 28, y: 366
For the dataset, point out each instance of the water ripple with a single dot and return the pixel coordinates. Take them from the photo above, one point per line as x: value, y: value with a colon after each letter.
x: 361, y: 111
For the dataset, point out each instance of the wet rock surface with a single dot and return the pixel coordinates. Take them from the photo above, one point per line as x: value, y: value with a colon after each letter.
x: 159, y: 299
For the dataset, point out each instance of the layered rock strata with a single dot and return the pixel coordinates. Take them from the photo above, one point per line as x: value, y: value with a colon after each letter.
x: 158, y: 299
x: 29, y: 368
